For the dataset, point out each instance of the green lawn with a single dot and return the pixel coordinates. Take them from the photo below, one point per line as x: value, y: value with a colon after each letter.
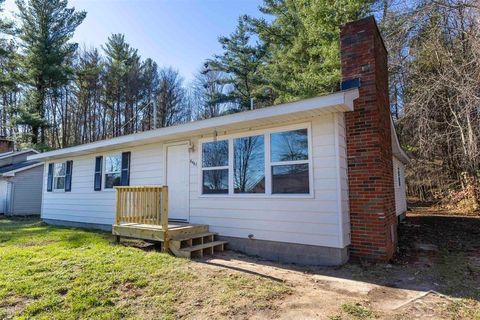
x: 49, y: 272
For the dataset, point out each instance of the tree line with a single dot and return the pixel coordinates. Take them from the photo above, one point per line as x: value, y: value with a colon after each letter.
x: 55, y: 93
x: 434, y: 64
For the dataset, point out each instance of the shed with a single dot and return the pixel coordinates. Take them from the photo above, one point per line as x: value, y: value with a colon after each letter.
x: 20, y: 183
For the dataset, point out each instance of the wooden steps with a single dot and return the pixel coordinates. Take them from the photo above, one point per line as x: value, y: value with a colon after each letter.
x: 196, y: 245
x: 185, y: 240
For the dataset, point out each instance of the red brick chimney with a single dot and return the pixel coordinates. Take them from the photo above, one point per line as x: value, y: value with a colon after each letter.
x: 6, y: 144
x: 369, y: 147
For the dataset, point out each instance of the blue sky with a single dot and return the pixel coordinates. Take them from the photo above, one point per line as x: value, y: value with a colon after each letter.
x: 177, y: 33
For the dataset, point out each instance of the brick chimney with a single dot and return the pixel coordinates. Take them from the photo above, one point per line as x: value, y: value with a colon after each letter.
x: 6, y: 144
x: 369, y: 147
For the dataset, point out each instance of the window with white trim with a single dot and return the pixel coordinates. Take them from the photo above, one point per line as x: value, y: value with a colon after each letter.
x: 249, y: 164
x: 269, y: 163
x: 113, y: 171
x: 289, y: 162
x: 59, y: 173
x: 215, y: 167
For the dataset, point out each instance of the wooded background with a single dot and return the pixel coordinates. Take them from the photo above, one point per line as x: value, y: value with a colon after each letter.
x: 55, y: 93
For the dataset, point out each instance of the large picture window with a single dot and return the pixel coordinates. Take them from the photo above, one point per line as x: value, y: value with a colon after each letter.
x: 113, y: 171
x: 269, y: 163
x: 289, y: 162
x: 59, y: 173
x: 249, y: 165
x: 215, y: 167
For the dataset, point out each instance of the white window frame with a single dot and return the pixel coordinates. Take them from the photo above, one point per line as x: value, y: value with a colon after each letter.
x: 286, y: 163
x: 268, y: 173
x: 231, y: 178
x: 54, y: 184
x: 105, y: 172
x: 227, y: 167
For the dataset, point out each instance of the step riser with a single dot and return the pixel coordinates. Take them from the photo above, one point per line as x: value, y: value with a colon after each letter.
x: 207, y: 244
x: 206, y: 251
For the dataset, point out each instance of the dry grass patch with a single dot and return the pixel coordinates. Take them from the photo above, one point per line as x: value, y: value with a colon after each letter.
x: 65, y: 273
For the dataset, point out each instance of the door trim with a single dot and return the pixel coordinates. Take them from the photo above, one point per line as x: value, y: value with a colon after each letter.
x: 165, y: 165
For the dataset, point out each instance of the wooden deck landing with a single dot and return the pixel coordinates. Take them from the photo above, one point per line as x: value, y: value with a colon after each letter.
x: 142, y: 213
x: 156, y: 232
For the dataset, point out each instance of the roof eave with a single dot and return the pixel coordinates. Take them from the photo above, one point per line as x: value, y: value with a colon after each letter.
x: 337, y: 102
x: 13, y: 172
x: 16, y: 153
x: 397, y: 149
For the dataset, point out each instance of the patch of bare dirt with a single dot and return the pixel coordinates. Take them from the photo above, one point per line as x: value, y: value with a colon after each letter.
x: 11, y: 307
x: 436, y: 275
x: 315, y: 295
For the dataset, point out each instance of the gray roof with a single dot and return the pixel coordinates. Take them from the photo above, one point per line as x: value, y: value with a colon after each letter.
x: 8, y: 154
x: 16, y: 166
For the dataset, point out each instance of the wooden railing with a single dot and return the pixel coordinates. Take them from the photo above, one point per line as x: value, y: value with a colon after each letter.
x: 143, y: 205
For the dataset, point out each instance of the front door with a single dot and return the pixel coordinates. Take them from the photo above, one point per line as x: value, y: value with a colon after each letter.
x: 177, y: 180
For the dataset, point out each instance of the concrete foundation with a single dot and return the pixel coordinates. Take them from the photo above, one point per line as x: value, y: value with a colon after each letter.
x: 289, y: 252
x: 300, y: 254
x: 64, y: 223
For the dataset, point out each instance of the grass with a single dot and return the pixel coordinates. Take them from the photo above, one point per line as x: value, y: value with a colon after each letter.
x: 357, y: 310
x: 65, y: 273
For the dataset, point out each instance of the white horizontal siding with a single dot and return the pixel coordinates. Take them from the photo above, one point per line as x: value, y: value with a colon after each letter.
x: 400, y: 190
x: 310, y: 220
x: 307, y: 220
x: 83, y: 204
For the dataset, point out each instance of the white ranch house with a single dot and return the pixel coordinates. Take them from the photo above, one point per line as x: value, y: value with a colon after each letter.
x: 272, y: 182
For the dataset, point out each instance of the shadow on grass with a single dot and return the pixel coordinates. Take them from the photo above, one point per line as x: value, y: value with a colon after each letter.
x: 451, y: 268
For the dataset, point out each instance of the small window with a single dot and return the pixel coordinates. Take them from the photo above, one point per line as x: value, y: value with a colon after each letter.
x: 59, y: 172
x: 399, y: 177
x: 249, y: 165
x: 113, y: 171
x: 215, y: 167
x: 289, y: 162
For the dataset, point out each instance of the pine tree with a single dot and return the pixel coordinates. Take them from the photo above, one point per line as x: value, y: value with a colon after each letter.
x: 242, y: 63
x: 170, y: 98
x: 150, y: 84
x: 90, y: 70
x: 302, y: 41
x: 208, y: 91
x: 46, y: 27
x: 120, y: 59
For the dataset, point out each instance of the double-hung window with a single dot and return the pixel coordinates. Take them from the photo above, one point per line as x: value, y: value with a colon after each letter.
x: 289, y: 162
x: 268, y: 163
x: 215, y: 167
x: 113, y: 171
x: 59, y: 173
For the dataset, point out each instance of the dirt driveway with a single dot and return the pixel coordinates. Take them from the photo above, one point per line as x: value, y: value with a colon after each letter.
x: 436, y: 275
